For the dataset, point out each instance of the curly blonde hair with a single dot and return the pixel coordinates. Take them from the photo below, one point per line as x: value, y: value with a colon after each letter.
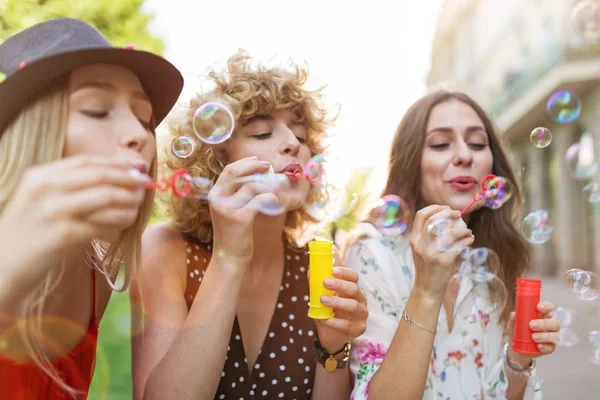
x: 248, y: 91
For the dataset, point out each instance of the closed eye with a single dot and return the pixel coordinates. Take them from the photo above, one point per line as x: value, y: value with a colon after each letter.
x: 439, y: 146
x: 95, y: 114
x: 301, y: 139
x: 263, y: 136
x: 478, y: 146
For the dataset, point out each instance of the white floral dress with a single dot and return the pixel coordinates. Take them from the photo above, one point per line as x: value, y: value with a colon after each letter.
x: 468, y: 362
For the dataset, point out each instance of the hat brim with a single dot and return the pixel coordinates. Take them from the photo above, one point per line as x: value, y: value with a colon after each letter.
x: 161, y: 80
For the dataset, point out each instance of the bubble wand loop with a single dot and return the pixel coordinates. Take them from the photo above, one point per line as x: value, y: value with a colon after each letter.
x: 296, y: 175
x: 479, y: 196
x: 163, y: 184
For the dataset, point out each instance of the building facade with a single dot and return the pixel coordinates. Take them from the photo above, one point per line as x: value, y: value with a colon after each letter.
x: 511, y: 56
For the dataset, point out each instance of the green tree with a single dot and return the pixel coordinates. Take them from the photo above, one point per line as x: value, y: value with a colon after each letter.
x: 121, y: 21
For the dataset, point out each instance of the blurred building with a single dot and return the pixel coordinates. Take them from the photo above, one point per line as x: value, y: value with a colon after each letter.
x: 510, y: 56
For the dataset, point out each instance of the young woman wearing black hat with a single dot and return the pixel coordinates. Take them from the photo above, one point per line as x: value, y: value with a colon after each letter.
x: 77, y: 147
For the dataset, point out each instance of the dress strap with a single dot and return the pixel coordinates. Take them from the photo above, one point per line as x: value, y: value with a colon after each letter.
x: 94, y: 293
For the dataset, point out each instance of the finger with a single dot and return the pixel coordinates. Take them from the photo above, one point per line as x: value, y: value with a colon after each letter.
x: 344, y: 326
x: 89, y: 201
x: 243, y: 167
x: 545, y: 325
x: 348, y: 306
x: 424, y: 214
x: 546, y: 337
x: 239, y: 197
x: 266, y: 203
x: 345, y: 274
x: 546, y: 348
x: 343, y: 288
x: 114, y: 218
x: 453, y: 251
x: 546, y: 308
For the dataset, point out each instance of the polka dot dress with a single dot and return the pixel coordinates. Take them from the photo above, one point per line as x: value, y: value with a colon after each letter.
x: 285, y: 366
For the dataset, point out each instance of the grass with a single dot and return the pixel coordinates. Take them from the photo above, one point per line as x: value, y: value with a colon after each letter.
x: 112, y: 378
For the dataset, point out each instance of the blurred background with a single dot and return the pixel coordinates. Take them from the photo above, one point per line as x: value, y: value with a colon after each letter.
x: 376, y: 59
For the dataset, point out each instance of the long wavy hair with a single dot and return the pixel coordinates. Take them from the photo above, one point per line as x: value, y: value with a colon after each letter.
x: 494, y: 229
x: 247, y: 90
x: 37, y: 136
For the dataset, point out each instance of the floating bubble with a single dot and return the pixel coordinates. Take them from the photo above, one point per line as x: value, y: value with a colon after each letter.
x: 258, y: 191
x: 585, y: 20
x: 591, y: 192
x: 391, y: 213
x: 580, y: 281
x: 498, y: 192
x: 314, y: 169
x: 213, y: 123
x: 540, y: 137
x: 564, y: 106
x: 183, y: 147
x: 572, y: 326
x: 592, y: 347
x: 537, y: 227
x: 482, y: 267
x: 581, y: 161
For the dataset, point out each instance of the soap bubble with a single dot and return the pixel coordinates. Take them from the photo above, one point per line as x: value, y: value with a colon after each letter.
x: 564, y: 106
x: 572, y: 326
x: 580, y: 281
x: 581, y: 160
x: 591, y: 192
x: 592, y: 346
x: 213, y: 123
x: 498, y: 192
x: 541, y: 137
x: 183, y: 147
x: 585, y: 20
x: 537, y: 227
x: 391, y: 213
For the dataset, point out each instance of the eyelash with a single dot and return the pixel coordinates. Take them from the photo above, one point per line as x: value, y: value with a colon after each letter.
x: 266, y: 135
x: 476, y: 146
x: 104, y: 114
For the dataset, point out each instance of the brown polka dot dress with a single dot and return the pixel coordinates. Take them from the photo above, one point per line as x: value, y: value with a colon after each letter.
x: 285, y: 367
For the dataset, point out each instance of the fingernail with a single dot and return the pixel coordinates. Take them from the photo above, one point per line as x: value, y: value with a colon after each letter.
x: 266, y: 163
x: 534, y: 325
x: 326, y: 299
x: 328, y: 282
x: 536, y: 336
x: 541, y: 307
x: 541, y: 346
x: 337, y: 271
x: 139, y: 176
x: 253, y: 158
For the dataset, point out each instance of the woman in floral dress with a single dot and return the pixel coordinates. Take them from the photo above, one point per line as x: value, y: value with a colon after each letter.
x: 422, y: 338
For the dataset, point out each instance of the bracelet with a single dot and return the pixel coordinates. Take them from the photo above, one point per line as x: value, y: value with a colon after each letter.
x: 510, y: 367
x: 411, y: 321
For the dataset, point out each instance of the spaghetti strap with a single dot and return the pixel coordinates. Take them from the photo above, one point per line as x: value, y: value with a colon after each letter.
x: 94, y: 293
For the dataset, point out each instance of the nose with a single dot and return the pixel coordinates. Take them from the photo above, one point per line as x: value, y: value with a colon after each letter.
x: 463, y: 155
x: 291, y: 144
x: 134, y: 135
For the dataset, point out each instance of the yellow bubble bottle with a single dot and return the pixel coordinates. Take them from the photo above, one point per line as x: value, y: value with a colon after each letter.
x: 321, y: 267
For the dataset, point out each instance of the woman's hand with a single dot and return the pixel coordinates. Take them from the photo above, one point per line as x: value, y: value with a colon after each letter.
x: 233, y: 208
x: 65, y: 204
x: 433, y: 262
x: 350, y: 307
x: 546, y: 334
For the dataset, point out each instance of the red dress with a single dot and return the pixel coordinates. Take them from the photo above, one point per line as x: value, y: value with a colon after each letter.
x: 28, y: 382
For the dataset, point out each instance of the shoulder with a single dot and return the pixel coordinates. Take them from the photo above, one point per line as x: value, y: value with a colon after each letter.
x: 163, y: 252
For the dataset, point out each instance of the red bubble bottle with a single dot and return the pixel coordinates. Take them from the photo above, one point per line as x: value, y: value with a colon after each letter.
x: 528, y: 297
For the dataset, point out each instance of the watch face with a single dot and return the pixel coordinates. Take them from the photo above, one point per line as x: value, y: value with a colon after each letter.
x: 331, y: 364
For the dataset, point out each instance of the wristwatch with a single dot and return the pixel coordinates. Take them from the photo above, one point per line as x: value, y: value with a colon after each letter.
x: 331, y: 362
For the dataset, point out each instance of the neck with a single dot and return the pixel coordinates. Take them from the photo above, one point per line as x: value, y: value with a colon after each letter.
x: 268, y: 243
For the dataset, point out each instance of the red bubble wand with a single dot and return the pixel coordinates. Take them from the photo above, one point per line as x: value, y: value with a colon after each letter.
x: 479, y: 196
x: 164, y: 184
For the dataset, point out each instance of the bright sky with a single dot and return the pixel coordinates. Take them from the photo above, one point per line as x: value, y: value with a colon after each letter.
x: 373, y: 55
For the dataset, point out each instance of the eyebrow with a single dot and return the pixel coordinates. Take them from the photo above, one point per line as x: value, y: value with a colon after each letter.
x: 259, y: 117
x: 109, y: 87
x: 447, y: 129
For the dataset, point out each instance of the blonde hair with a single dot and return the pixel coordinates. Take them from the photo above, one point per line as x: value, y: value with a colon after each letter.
x: 248, y: 91
x: 37, y: 136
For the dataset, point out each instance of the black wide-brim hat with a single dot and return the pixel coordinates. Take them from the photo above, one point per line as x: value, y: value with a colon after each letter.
x: 36, y: 56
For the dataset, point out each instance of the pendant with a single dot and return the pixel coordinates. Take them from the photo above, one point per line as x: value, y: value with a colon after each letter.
x: 331, y: 364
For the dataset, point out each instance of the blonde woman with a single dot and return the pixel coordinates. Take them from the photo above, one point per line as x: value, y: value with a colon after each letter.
x: 225, y: 289
x: 77, y: 148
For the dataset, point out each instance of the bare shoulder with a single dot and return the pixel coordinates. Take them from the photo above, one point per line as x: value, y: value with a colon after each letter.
x: 163, y: 253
